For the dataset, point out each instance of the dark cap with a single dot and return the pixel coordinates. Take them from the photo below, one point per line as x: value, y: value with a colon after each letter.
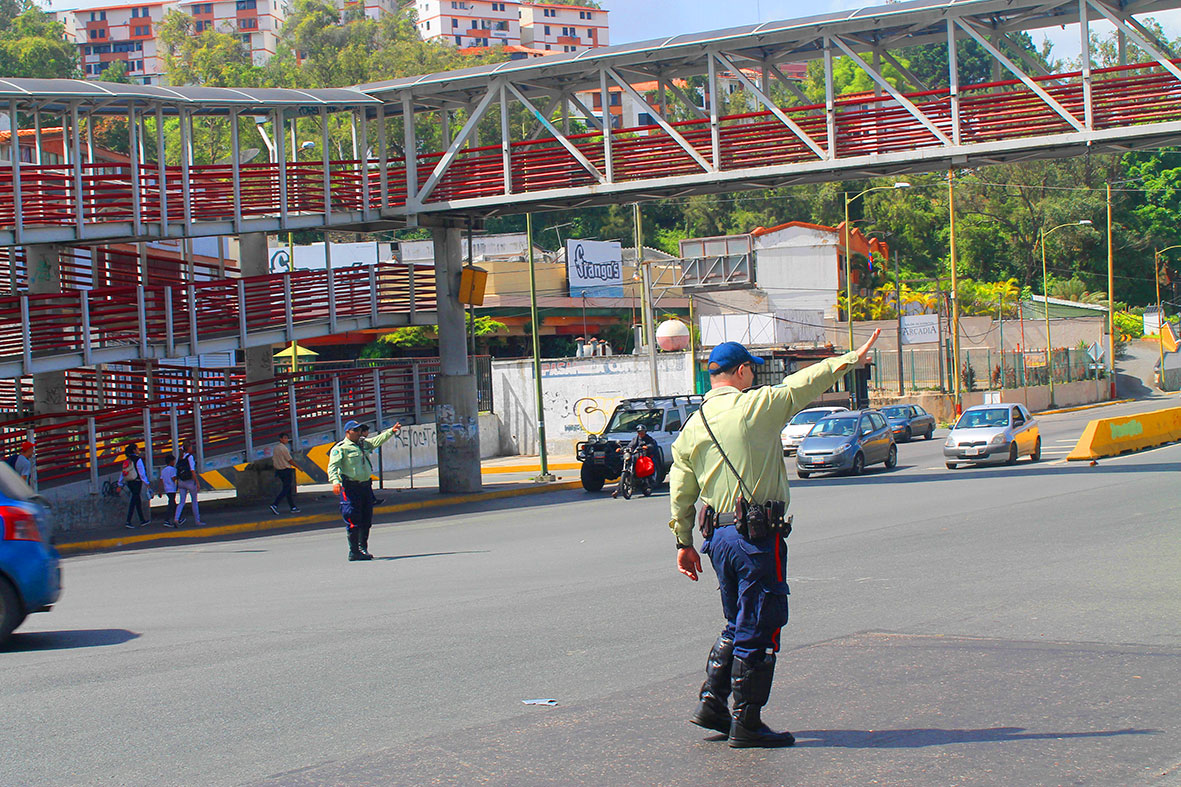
x: 351, y: 425
x: 727, y: 355
x: 641, y: 428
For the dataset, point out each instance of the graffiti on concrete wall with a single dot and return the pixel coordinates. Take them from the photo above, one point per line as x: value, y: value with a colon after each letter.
x: 592, y: 413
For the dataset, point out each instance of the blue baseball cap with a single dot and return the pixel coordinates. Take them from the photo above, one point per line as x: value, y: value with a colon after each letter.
x: 350, y: 425
x: 727, y: 355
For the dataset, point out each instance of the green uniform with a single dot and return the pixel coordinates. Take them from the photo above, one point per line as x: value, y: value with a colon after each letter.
x: 750, y: 422
x: 349, y: 461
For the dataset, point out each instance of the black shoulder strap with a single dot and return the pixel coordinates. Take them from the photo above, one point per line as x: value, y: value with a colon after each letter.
x: 742, y: 486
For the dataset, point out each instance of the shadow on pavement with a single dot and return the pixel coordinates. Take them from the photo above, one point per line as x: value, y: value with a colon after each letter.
x: 1025, y: 469
x: 432, y: 554
x: 65, y: 640
x: 917, y: 738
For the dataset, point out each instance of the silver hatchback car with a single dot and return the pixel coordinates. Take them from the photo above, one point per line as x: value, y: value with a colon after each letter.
x: 992, y: 432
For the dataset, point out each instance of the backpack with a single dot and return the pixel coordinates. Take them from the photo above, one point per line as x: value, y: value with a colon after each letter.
x: 184, y: 472
x: 129, y: 471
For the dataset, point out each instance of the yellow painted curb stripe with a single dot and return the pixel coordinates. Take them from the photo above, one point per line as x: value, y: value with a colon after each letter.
x: 1084, y: 407
x: 284, y: 524
x: 216, y: 480
x: 530, y: 468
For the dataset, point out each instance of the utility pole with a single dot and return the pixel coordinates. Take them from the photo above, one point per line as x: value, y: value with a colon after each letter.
x: 646, y: 281
x: 1111, y: 287
x: 1001, y: 323
x: 545, y: 474
x: 898, y: 304
x: 955, y: 294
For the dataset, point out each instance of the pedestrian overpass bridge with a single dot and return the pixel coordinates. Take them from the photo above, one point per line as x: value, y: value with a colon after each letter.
x: 447, y: 151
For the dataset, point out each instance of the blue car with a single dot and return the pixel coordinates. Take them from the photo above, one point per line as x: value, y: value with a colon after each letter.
x: 30, y: 577
x: 909, y: 421
x: 846, y: 443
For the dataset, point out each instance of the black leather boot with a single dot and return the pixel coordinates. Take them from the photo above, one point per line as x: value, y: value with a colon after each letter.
x: 712, y: 711
x: 354, y: 545
x: 363, y: 545
x: 751, y: 682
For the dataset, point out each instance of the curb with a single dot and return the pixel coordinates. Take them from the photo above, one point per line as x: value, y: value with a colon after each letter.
x: 1084, y: 407
x: 294, y: 523
x: 533, y: 468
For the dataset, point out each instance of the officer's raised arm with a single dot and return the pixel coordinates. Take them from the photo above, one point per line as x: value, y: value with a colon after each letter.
x: 799, y: 390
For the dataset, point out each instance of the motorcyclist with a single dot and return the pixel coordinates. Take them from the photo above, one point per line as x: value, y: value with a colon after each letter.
x: 642, y: 438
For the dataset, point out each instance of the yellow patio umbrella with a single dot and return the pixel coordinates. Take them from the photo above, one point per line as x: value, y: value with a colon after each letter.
x: 290, y: 355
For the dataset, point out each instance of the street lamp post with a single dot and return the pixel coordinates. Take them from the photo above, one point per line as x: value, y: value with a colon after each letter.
x: 1160, y: 312
x: 1046, y: 300
x: 848, y: 272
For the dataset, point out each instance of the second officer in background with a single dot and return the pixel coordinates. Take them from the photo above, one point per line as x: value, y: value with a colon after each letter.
x: 350, y: 472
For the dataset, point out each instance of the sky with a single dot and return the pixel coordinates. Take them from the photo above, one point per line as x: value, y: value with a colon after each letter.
x: 643, y: 20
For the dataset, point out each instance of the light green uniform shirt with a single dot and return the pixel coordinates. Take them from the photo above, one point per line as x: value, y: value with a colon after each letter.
x: 349, y: 461
x: 747, y: 424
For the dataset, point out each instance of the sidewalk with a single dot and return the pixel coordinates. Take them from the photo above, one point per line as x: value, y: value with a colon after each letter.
x: 222, y: 515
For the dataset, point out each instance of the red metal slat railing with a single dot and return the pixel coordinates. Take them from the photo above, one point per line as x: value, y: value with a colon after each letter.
x: 55, y: 320
x: 323, y: 398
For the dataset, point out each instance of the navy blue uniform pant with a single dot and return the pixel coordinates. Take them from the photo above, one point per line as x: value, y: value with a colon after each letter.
x: 752, y: 579
x: 356, y: 505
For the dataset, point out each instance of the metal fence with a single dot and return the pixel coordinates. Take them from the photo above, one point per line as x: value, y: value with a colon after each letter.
x: 982, y: 369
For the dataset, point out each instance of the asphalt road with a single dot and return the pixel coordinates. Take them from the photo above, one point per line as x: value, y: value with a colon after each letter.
x: 1008, y: 625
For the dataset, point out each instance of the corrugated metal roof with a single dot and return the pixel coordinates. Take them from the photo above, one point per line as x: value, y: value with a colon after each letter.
x: 57, y: 93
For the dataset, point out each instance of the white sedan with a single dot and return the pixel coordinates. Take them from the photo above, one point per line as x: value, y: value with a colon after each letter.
x: 798, y: 427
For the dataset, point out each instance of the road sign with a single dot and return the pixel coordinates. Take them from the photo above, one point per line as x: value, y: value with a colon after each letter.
x: 1095, y: 351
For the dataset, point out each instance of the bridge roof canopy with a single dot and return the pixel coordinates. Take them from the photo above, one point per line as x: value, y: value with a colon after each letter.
x: 891, y: 26
x: 51, y: 95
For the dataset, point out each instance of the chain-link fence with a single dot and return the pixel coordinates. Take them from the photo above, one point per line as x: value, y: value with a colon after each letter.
x: 984, y: 369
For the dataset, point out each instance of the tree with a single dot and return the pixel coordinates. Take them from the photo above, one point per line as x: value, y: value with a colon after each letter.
x: 1074, y: 289
x: 116, y: 72
x: 33, y: 43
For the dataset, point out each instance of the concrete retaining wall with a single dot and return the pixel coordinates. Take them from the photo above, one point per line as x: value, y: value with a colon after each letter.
x: 1036, y: 398
x: 579, y: 395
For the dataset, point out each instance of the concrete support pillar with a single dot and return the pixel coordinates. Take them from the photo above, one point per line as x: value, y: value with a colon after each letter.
x: 456, y: 413
x: 257, y: 480
x: 254, y: 261
x: 43, y: 267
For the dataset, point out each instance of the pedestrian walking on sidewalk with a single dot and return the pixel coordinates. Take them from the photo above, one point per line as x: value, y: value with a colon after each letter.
x: 132, y: 478
x: 186, y: 485
x: 168, y: 485
x: 22, y: 462
x: 285, y: 472
x: 729, y: 456
x: 350, y: 472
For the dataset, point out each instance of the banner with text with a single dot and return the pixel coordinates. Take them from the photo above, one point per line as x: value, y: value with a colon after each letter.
x: 594, y: 267
x: 920, y: 328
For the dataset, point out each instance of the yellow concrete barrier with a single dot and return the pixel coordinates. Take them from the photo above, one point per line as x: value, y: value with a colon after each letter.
x: 1113, y: 436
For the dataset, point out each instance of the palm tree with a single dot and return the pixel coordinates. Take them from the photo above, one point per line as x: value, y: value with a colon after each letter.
x: 1073, y: 289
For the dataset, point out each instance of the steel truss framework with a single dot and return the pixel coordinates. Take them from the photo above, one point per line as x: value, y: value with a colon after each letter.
x: 572, y: 155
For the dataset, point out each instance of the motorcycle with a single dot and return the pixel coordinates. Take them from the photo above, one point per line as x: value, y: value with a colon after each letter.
x: 639, y: 473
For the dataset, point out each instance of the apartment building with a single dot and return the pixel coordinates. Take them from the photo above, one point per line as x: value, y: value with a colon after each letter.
x: 563, y: 28
x: 256, y: 23
x: 126, y: 33
x: 470, y: 23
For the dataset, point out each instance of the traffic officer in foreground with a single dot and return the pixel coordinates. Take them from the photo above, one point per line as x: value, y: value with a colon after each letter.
x: 729, y: 456
x: 350, y: 471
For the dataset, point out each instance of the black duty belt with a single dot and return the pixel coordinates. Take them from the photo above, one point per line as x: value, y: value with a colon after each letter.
x: 752, y: 522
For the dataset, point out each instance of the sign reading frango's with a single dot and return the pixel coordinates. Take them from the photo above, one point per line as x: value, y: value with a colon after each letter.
x: 594, y: 267
x: 920, y: 328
